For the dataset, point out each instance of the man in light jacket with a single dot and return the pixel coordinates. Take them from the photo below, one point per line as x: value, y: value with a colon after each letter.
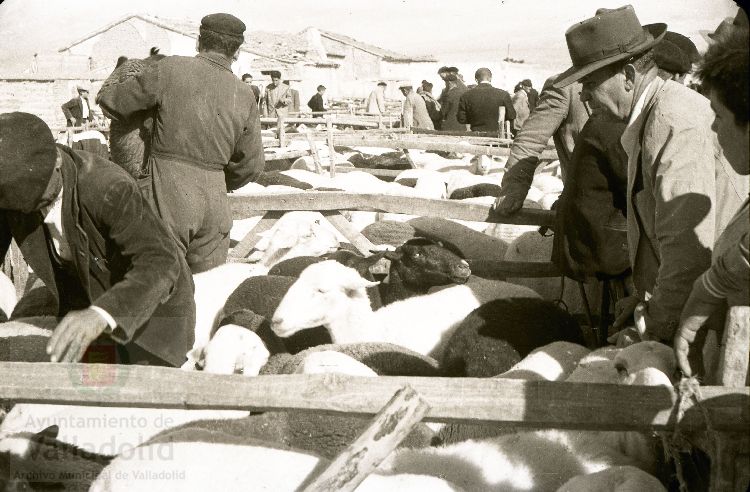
x: 376, y: 100
x: 414, y: 114
x: 677, y: 202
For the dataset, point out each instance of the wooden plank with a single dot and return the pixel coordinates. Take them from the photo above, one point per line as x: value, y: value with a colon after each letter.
x: 314, y: 152
x: 732, y: 370
x: 331, y: 150
x: 394, y: 422
x: 281, y: 129
x: 243, y: 205
x: 477, y: 400
x: 243, y: 248
x: 292, y: 154
x: 518, y: 269
x: 316, y: 121
x: 352, y: 235
x: 405, y: 142
x: 383, y: 174
x: 458, y: 133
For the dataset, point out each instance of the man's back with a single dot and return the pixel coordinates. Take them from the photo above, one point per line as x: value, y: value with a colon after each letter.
x: 203, y: 109
x: 480, y: 107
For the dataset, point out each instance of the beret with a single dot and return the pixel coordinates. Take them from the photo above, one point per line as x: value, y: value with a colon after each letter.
x: 451, y: 77
x: 443, y: 69
x: 382, y: 83
x: 223, y: 24
x: 27, y: 160
x: 668, y: 56
x: 526, y: 82
x: 453, y: 69
x: 405, y: 86
x: 685, y: 44
x: 275, y: 74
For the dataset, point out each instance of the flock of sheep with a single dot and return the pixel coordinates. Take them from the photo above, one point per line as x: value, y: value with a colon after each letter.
x: 306, y: 302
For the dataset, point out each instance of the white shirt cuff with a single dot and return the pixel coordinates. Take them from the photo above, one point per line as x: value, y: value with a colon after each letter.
x: 107, y: 317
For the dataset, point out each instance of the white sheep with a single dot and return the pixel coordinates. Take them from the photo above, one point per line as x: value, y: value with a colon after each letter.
x: 485, y: 164
x: 314, y: 179
x: 240, y: 227
x: 212, y: 289
x: 547, y: 184
x: 233, y: 465
x: 8, y: 298
x: 332, y: 362
x: 614, y: 479
x: 232, y: 350
x: 330, y: 294
x: 553, y: 362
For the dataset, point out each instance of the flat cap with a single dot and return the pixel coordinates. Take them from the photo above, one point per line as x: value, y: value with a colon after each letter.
x: 453, y: 69
x: 223, y: 24
x: 443, y: 70
x: 668, y: 56
x: 451, y: 77
x: 405, y: 86
x: 27, y: 160
x: 274, y: 74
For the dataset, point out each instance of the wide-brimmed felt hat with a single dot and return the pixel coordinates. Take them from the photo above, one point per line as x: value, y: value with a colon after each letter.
x: 606, y: 38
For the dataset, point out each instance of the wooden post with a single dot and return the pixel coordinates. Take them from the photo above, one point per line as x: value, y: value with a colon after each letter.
x: 346, y: 229
x: 281, y: 131
x: 733, y: 358
x: 501, y: 121
x: 388, y: 429
x: 243, y: 248
x: 314, y: 152
x: 331, y: 150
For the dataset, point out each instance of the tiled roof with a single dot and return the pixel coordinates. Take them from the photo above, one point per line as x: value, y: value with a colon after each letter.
x: 387, y: 55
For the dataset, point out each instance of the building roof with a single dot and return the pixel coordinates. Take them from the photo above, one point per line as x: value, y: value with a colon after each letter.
x: 287, y: 48
x: 387, y: 55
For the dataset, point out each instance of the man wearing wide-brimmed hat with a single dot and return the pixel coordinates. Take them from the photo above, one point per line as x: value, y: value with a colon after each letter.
x: 206, y: 137
x: 678, y: 196
x: 77, y: 111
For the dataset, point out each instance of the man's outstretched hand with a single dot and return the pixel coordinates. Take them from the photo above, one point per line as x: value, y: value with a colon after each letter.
x: 74, y: 334
x: 516, y: 183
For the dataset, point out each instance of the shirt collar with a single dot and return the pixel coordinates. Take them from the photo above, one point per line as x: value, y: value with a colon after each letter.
x: 216, y: 59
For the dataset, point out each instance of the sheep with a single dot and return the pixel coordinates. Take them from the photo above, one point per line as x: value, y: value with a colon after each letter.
x: 38, y: 461
x: 232, y: 350
x: 388, y: 232
x: 130, y: 139
x: 204, y: 464
x: 385, y: 160
x: 547, y: 184
x: 471, y: 244
x: 463, y: 178
x: 296, y: 234
x: 240, y: 228
x: 485, y: 164
x: 8, y: 298
x: 333, y: 295
x: 385, y: 359
x: 332, y: 362
x: 212, y: 289
x: 542, y: 460
x: 614, y: 479
x: 25, y: 339
x: 313, y: 179
x: 532, y: 246
x: 498, y: 334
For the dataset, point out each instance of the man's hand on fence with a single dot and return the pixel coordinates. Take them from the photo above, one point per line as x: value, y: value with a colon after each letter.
x: 74, y: 334
x: 515, y: 187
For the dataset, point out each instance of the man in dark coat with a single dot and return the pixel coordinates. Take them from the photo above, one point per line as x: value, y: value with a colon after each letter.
x: 531, y: 92
x: 206, y: 138
x: 316, y: 103
x: 248, y: 79
x: 480, y: 106
x: 108, y: 264
x: 77, y: 111
x: 449, y: 108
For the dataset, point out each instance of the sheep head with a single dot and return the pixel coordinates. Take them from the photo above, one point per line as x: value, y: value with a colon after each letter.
x: 423, y: 263
x: 323, y: 292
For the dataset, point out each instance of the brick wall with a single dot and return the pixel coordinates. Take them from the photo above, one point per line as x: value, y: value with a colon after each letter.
x: 40, y: 97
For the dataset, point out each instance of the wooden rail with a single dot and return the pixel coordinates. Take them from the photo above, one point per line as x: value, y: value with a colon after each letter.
x: 244, y: 206
x: 474, y: 400
x: 317, y: 121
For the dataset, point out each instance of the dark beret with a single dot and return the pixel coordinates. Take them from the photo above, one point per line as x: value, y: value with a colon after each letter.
x: 27, y: 160
x: 668, y: 56
x: 684, y: 43
x: 406, y: 86
x: 453, y: 69
x: 223, y: 24
x: 451, y: 77
x: 383, y: 84
x: 526, y: 83
x: 274, y: 74
x: 443, y: 70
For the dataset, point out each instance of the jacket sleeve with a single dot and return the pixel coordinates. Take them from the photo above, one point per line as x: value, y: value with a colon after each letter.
x: 550, y: 112
x: 154, y: 257
x: 462, y: 108
x: 683, y: 182
x: 66, y: 109
x: 134, y: 94
x: 731, y: 271
x: 510, y: 111
x: 247, y: 161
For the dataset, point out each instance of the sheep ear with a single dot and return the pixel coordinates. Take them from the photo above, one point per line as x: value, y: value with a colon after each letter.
x: 394, y: 255
x: 50, y: 432
x: 197, y: 357
x: 354, y: 288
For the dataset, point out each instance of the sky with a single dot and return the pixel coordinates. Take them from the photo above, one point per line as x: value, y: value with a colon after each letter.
x: 453, y: 31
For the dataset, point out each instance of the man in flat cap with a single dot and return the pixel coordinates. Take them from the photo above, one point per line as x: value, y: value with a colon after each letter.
x: 108, y: 264
x: 278, y: 98
x: 449, y: 107
x: 376, y: 99
x: 414, y: 112
x: 206, y: 138
x: 680, y: 191
x: 77, y: 111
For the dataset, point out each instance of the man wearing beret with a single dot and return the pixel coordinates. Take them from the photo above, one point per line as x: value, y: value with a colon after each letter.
x: 278, y: 97
x: 680, y: 191
x: 108, y: 264
x: 206, y: 138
